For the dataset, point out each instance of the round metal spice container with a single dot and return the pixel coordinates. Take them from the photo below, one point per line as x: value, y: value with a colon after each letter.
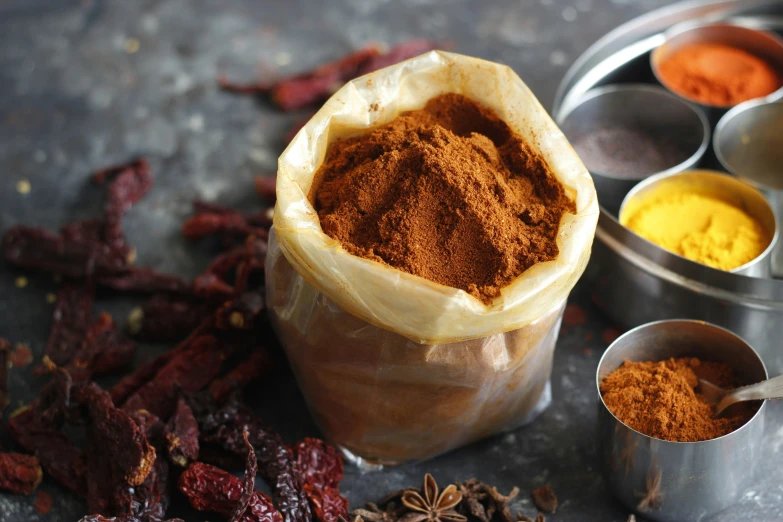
x: 670, y: 481
x: 708, y: 217
x: 626, y: 133
x: 749, y: 144
x: 719, y: 65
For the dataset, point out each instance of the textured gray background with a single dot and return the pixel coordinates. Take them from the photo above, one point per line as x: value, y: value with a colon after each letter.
x: 76, y: 95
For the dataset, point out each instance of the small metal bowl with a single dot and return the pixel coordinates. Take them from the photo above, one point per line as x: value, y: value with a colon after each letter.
x: 765, y: 45
x: 637, y: 106
x: 679, y: 481
x: 749, y: 144
x: 724, y: 187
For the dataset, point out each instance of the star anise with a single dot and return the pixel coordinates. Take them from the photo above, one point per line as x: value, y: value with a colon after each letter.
x: 431, y: 506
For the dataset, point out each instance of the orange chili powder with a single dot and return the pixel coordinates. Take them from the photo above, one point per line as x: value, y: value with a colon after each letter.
x: 719, y: 75
x: 660, y: 399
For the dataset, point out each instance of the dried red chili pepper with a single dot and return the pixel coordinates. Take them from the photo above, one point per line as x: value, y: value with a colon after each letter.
x: 240, y: 313
x: 266, y: 185
x: 181, y: 433
x: 43, y: 503
x: 248, y: 484
x: 54, y: 400
x: 321, y: 468
x: 327, y: 503
x: 21, y: 356
x: 252, y: 367
x: 545, y: 499
x: 210, y: 207
x: 397, y: 54
x: 206, y: 224
x: 129, y: 384
x: 302, y: 90
x: 19, y: 473
x: 212, y: 283
x: 40, y: 249
x: 131, y: 183
x: 145, y: 373
x: 99, y: 176
x: 319, y: 463
x: 144, y: 280
x: 103, y: 350
x: 150, y: 500
x: 86, y: 231
x: 209, y: 488
x: 225, y: 427
x: 253, y: 301
x: 118, y: 353
x: 168, y: 318
x: 210, y: 286
x: 152, y: 427
x: 256, y: 219
x: 120, y: 455
x: 189, y: 370
x: 219, y: 457
x: 253, y: 249
x: 71, y: 318
x: 5, y: 354
x: 59, y: 457
x: 227, y: 261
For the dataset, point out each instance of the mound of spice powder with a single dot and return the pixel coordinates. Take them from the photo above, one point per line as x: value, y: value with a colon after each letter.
x: 719, y: 75
x: 699, y: 227
x: 660, y: 399
x: 449, y: 193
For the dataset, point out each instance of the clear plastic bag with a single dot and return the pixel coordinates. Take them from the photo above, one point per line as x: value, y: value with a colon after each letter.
x: 395, y: 367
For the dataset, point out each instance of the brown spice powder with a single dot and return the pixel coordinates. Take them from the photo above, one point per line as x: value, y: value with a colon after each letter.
x: 449, y: 193
x: 660, y: 400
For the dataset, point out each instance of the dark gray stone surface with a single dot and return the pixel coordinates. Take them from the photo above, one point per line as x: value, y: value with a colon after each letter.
x: 88, y: 83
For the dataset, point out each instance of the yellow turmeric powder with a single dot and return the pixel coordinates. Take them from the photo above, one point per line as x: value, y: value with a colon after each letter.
x: 700, y: 227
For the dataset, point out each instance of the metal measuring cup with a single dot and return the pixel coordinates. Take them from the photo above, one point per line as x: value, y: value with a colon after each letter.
x: 679, y: 481
x: 749, y: 144
x: 663, y: 114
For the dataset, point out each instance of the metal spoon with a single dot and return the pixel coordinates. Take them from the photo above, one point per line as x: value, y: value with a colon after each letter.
x: 769, y: 389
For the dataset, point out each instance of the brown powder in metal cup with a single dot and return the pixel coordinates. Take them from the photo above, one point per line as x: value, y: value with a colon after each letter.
x: 660, y: 399
x: 449, y: 193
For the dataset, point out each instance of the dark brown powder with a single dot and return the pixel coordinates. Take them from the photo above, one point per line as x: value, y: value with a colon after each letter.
x: 659, y: 399
x: 449, y: 193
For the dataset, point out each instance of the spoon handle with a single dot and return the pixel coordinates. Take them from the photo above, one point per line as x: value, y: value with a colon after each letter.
x: 769, y: 389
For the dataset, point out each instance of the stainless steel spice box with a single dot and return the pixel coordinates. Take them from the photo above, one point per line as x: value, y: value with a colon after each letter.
x: 634, y: 281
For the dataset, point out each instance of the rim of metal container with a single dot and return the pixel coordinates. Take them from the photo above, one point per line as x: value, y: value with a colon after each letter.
x: 621, y: 45
x: 774, y: 98
x: 638, y: 36
x: 728, y: 287
x: 653, y: 89
x: 694, y: 25
x: 670, y: 321
x: 657, y: 178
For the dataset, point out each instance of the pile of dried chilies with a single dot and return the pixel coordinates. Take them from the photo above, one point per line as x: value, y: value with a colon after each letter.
x: 165, y: 424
